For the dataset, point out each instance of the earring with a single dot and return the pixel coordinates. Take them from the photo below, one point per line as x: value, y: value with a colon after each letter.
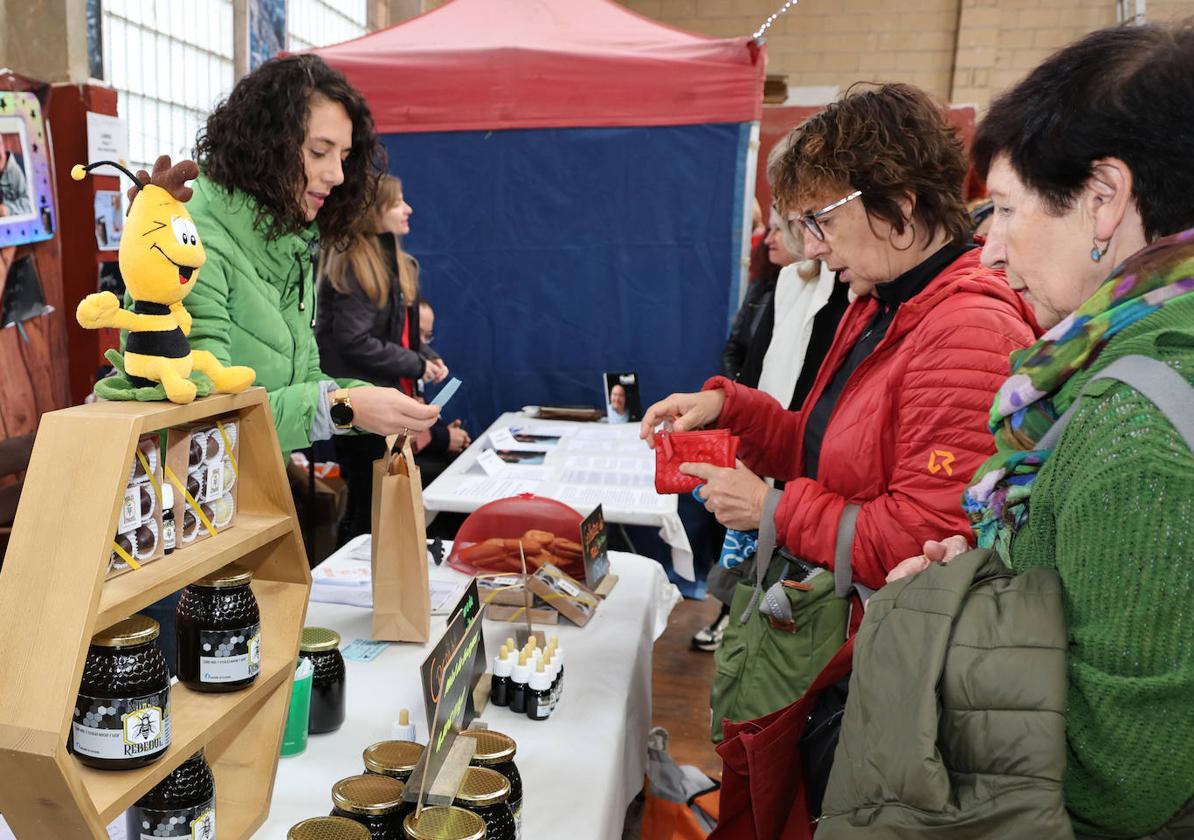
x: 1096, y: 253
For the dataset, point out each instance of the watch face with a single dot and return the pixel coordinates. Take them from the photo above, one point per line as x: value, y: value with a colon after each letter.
x: 341, y: 414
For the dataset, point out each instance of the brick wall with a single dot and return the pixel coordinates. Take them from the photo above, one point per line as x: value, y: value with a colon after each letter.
x: 964, y: 51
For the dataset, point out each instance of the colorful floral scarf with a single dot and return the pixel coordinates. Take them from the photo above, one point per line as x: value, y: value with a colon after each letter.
x: 1038, y: 391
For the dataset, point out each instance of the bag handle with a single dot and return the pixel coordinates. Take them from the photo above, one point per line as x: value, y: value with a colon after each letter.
x: 399, y: 457
x: 765, y: 549
x: 1151, y: 378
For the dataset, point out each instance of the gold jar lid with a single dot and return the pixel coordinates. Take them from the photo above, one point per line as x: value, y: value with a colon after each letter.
x: 319, y: 639
x: 134, y: 630
x: 368, y: 794
x: 482, y: 787
x: 231, y: 575
x: 492, y: 747
x: 328, y: 828
x: 444, y: 823
x: 390, y: 757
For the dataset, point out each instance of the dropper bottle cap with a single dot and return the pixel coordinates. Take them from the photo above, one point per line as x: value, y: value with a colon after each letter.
x: 522, y: 671
x: 503, y: 666
x: 403, y: 729
x: 540, y: 679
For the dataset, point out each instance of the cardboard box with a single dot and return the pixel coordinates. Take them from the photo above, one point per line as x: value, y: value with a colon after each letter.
x: 204, y: 460
x: 139, y: 528
x: 506, y: 590
x: 564, y: 593
x: 518, y: 615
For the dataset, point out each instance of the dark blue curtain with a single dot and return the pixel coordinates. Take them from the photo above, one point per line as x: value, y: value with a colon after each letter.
x: 552, y: 256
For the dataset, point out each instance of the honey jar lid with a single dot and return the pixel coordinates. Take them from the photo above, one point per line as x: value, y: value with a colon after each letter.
x: 492, y: 747
x: 134, y: 630
x: 388, y: 757
x: 319, y: 639
x: 442, y: 823
x: 231, y: 575
x: 368, y: 794
x: 482, y: 787
x: 328, y: 828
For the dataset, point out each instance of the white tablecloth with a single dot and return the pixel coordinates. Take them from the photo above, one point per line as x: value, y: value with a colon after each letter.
x: 580, y: 768
x: 445, y: 493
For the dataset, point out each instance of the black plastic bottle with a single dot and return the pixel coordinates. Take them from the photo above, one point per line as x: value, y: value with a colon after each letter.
x: 539, y: 694
x: 499, y: 686
x: 518, y: 685
x: 169, y: 533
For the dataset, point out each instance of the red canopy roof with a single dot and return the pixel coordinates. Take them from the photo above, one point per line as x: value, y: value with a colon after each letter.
x: 495, y: 64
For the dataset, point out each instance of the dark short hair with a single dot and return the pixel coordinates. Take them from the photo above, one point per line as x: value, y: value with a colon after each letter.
x: 1124, y: 92
x: 253, y: 142
x: 886, y: 141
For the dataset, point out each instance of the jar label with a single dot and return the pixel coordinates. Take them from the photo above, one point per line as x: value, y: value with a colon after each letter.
x: 229, y: 655
x: 116, y: 728
x: 168, y: 537
x: 214, y: 485
x: 197, y: 823
x: 130, y: 511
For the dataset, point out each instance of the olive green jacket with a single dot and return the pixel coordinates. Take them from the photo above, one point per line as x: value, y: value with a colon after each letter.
x: 955, y: 723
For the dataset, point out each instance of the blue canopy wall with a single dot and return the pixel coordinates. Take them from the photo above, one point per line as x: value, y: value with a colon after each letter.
x: 554, y: 255
x: 578, y: 175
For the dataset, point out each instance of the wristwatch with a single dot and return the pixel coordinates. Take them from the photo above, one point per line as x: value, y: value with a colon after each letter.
x: 341, y: 410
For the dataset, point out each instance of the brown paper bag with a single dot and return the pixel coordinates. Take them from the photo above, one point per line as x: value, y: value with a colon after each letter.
x: 401, y: 596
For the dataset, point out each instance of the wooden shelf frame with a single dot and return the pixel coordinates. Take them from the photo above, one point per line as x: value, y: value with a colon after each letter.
x: 54, y: 597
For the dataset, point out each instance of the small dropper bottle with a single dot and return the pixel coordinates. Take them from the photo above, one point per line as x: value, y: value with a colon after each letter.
x: 518, y: 685
x: 402, y: 729
x: 499, y: 687
x: 539, y: 694
x: 558, y: 659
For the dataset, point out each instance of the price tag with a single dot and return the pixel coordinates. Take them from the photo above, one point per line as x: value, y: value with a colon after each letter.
x: 491, y: 463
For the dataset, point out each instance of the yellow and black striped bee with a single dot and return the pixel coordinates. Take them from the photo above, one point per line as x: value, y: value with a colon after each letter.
x: 160, y: 257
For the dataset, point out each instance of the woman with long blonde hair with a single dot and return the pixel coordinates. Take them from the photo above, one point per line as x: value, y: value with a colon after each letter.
x: 368, y: 328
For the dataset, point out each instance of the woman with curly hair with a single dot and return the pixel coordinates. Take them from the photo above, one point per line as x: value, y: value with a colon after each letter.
x: 895, y: 422
x: 289, y: 161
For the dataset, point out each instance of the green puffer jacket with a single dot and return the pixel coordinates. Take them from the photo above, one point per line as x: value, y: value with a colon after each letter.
x: 254, y: 304
x: 955, y: 726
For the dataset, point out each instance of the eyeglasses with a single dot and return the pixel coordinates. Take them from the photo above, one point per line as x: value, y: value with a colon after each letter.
x: 809, y: 220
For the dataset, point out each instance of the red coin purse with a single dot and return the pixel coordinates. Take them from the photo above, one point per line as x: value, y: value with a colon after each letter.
x: 715, y: 446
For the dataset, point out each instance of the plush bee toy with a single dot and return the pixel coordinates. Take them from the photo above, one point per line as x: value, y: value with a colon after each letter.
x: 160, y: 256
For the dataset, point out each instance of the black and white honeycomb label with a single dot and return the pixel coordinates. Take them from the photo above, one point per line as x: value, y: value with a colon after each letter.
x: 195, y: 823
x: 229, y: 655
x: 115, y: 728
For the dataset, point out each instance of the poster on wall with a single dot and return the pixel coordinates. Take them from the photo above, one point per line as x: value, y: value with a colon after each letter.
x: 267, y: 30
x: 109, y: 219
x: 107, y: 138
x: 26, y: 201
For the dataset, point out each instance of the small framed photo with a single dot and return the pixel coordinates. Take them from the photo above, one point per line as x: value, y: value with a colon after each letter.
x: 622, y: 403
x: 26, y: 205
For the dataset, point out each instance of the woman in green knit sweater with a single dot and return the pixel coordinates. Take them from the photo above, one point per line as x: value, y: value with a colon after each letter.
x: 1110, y: 506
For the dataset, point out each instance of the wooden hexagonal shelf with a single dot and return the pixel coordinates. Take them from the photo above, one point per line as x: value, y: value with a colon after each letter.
x: 54, y: 597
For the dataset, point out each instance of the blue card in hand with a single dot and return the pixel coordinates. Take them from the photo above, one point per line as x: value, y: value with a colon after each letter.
x: 446, y: 394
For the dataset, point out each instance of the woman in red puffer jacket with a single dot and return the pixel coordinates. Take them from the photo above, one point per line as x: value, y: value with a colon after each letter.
x: 896, y: 421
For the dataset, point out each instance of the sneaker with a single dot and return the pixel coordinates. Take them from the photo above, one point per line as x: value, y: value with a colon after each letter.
x: 709, y: 638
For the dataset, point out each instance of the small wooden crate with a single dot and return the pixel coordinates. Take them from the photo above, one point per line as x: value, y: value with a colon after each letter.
x: 53, y: 599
